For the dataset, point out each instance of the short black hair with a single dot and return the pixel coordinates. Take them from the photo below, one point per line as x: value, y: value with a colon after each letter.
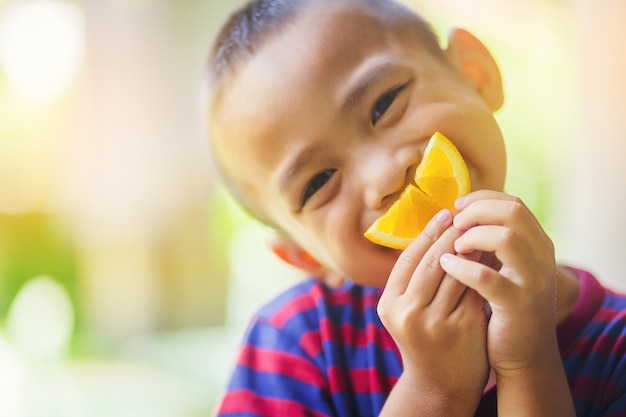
x: 252, y: 25
x: 247, y: 29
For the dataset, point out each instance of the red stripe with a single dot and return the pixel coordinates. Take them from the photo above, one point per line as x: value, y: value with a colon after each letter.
x: 318, y: 296
x: 360, y: 381
x: 366, y: 381
x: 337, y: 380
x: 281, y: 363
x: 609, y: 345
x: 354, y: 336
x: 242, y: 401
x: 593, y: 390
x: 294, y: 307
x: 311, y: 343
x: 608, y: 315
x: 366, y: 300
x: 605, y: 345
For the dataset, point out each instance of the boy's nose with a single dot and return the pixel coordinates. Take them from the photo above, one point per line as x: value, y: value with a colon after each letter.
x: 384, y: 180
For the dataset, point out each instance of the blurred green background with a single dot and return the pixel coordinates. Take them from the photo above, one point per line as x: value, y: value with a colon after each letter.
x: 127, y: 274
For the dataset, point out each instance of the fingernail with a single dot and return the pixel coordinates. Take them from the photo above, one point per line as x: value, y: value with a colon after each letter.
x: 459, y: 202
x: 443, y: 216
x: 445, y: 259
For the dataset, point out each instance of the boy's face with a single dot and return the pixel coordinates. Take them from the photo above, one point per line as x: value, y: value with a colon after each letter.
x: 323, y: 128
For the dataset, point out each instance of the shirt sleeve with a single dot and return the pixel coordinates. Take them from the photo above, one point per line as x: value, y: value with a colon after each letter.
x: 274, y: 377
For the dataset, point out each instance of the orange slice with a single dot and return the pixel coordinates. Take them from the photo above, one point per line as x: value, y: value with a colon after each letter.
x: 440, y: 178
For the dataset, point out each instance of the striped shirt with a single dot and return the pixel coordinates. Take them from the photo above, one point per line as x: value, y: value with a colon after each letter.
x: 315, y: 351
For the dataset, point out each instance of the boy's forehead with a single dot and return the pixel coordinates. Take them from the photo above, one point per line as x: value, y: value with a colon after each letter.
x: 266, y: 102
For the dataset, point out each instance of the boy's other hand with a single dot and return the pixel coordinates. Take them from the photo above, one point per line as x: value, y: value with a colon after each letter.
x: 437, y: 322
x: 519, y: 284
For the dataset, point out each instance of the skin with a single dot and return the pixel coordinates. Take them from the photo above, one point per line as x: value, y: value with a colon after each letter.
x: 328, y: 151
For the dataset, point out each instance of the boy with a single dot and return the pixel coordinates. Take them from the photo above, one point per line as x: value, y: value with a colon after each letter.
x: 319, y: 111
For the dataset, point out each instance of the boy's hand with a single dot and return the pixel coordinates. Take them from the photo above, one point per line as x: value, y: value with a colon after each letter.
x: 438, y: 323
x: 518, y: 281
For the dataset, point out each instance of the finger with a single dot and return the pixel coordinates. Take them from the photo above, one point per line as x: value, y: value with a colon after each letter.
x: 428, y: 275
x: 496, y: 211
x: 474, y: 196
x: 512, y: 214
x: 487, y: 282
x: 522, y: 262
x: 469, y: 306
x: 450, y: 291
x: 447, y: 295
x: 409, y: 259
x: 508, y: 246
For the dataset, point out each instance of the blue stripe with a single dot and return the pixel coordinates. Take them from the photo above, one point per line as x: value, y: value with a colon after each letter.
x: 286, y: 297
x: 615, y: 302
x: 338, y: 315
x: 361, y: 357
x: 266, y: 336
x: 362, y: 405
x: 595, y: 365
x: 595, y: 329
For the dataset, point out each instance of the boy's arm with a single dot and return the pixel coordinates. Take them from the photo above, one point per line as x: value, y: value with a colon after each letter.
x: 520, y: 287
x: 439, y: 326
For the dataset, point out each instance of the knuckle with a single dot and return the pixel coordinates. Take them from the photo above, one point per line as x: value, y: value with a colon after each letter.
x: 408, y: 259
x: 507, y: 236
x: 404, y: 321
x: 430, y: 233
x: 383, y: 307
x: 516, y: 200
x: 516, y: 208
x: 481, y: 275
x: 433, y: 326
x: 430, y: 261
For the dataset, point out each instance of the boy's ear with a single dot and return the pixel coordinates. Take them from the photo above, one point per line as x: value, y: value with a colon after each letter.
x: 470, y: 57
x: 291, y: 253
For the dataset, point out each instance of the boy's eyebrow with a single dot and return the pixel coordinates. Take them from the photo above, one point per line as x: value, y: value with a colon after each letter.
x: 296, y: 165
x: 365, y: 82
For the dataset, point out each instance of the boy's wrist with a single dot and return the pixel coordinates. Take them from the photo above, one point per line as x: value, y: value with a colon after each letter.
x: 439, y: 398
x: 547, y: 362
x: 527, y: 386
x: 545, y: 358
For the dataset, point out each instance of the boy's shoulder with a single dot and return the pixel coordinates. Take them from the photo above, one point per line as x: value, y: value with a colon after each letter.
x: 595, y: 307
x: 310, y: 302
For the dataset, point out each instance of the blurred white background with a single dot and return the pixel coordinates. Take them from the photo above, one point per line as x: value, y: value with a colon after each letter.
x: 127, y: 275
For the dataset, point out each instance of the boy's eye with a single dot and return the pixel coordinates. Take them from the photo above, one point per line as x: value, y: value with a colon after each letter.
x: 383, y: 103
x: 315, y: 184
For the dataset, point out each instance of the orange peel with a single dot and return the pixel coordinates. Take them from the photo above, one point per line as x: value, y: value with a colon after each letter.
x: 440, y: 179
